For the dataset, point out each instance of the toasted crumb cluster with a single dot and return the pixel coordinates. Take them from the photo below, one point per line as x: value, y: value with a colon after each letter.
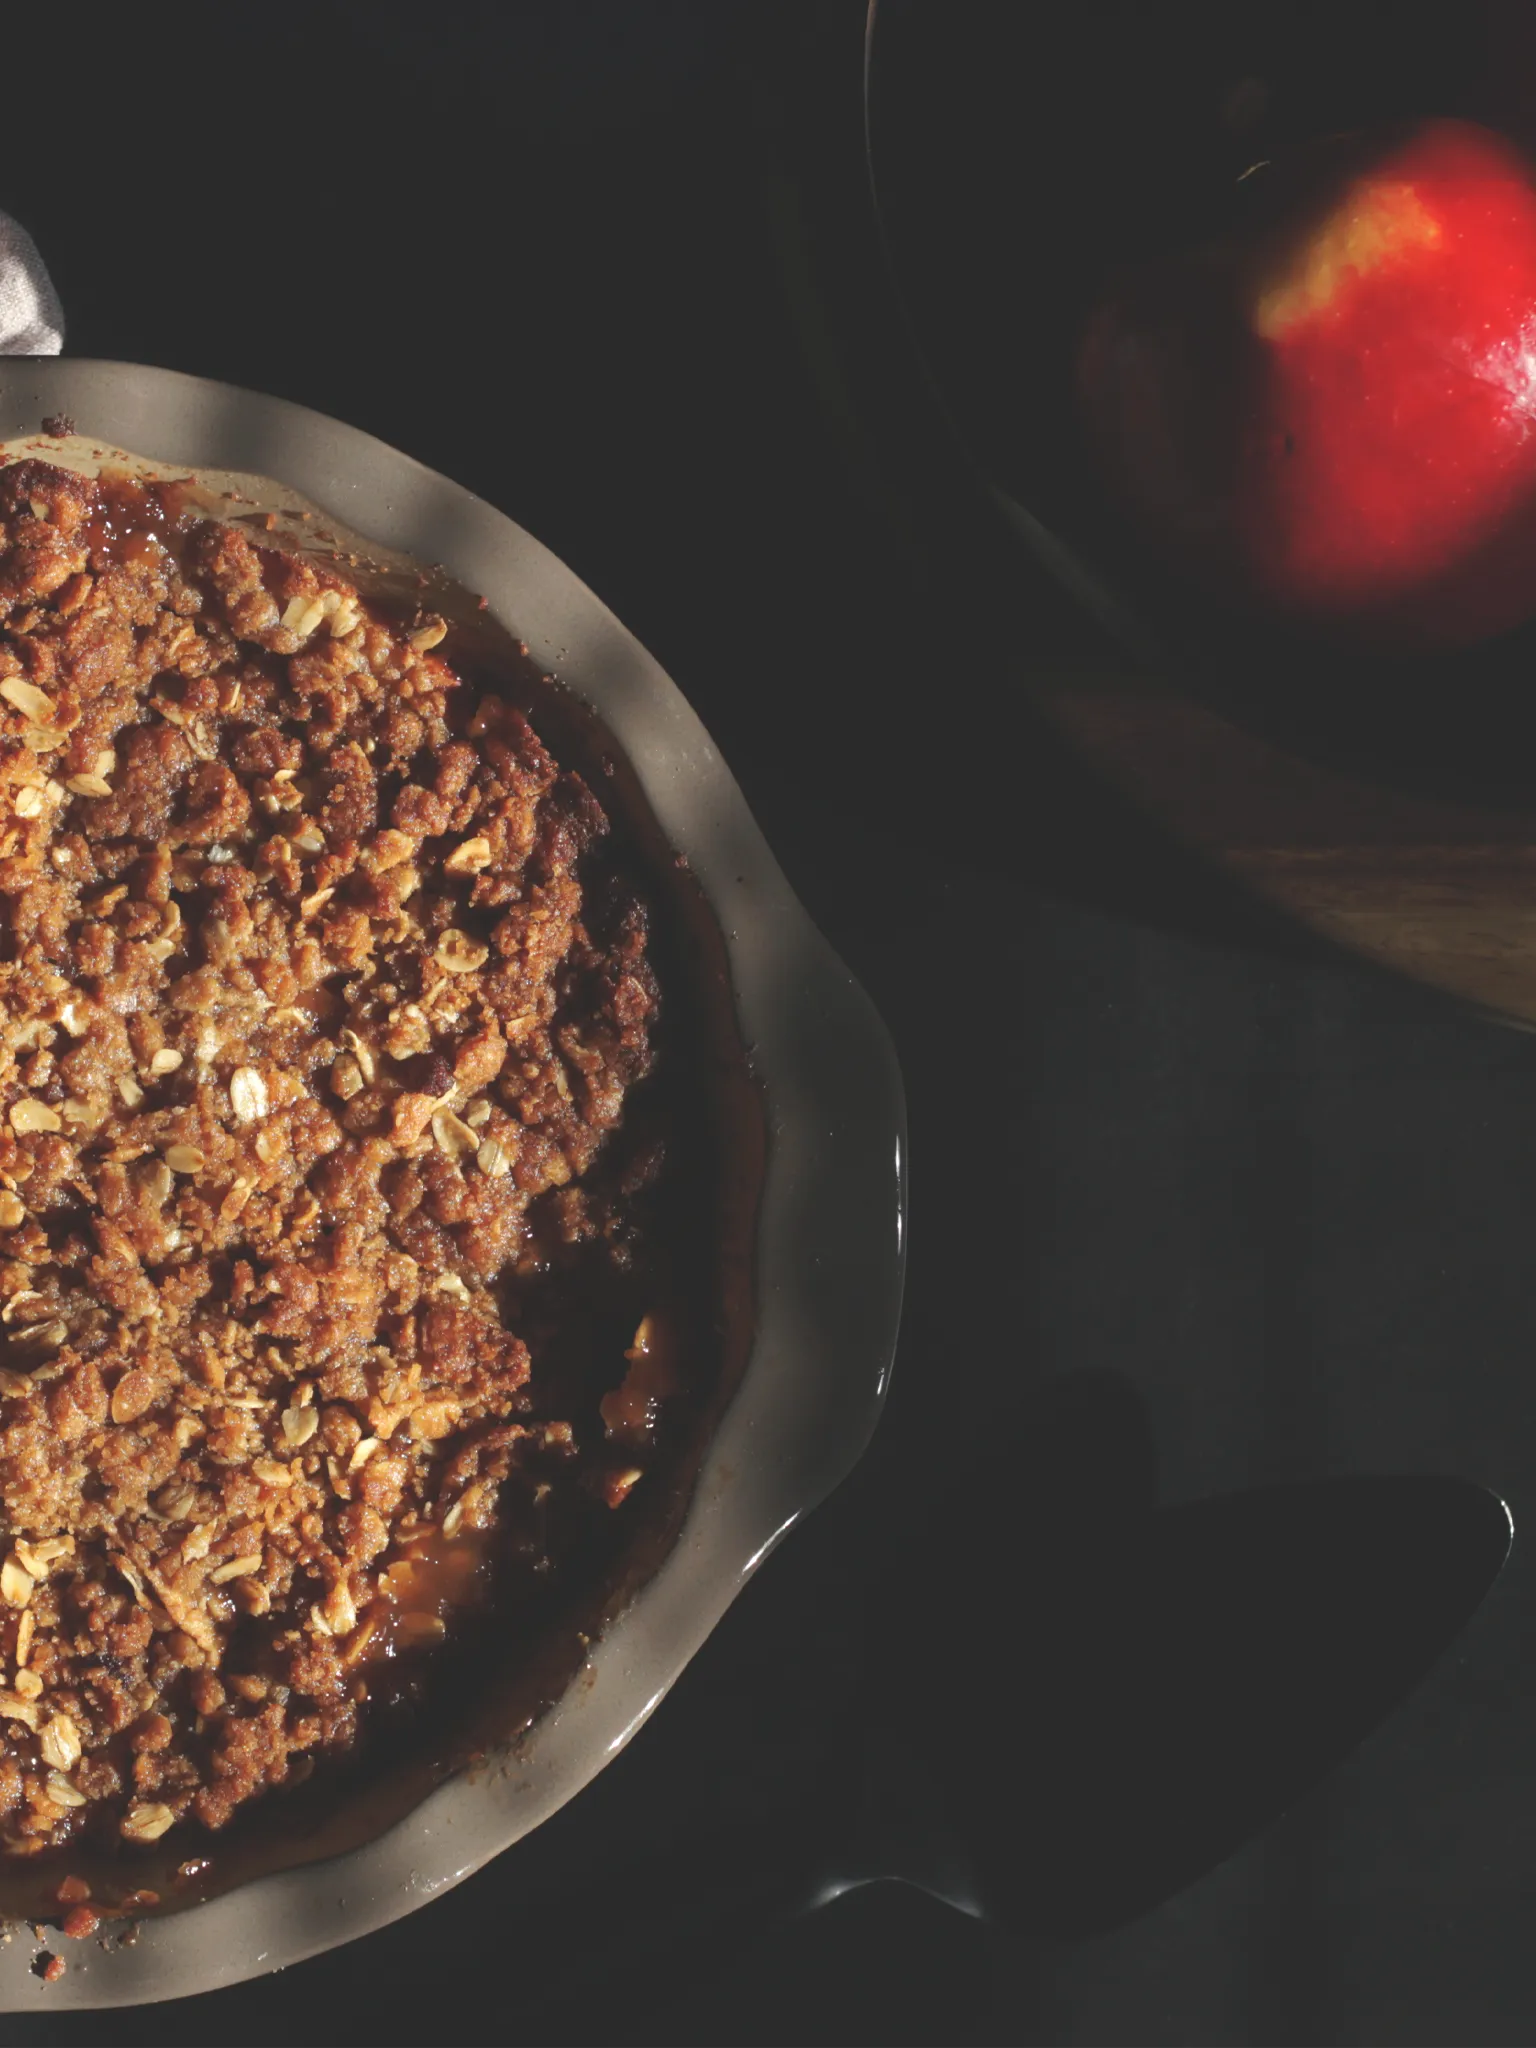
x: 318, y: 1000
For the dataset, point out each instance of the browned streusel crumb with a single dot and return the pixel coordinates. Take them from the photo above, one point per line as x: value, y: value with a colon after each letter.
x: 309, y: 1035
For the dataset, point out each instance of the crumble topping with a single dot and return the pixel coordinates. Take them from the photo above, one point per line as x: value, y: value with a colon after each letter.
x: 318, y: 1001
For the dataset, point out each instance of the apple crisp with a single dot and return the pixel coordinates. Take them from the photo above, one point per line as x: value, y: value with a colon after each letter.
x: 320, y: 998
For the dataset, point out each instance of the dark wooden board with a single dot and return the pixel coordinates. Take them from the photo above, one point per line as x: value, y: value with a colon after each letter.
x: 1015, y: 155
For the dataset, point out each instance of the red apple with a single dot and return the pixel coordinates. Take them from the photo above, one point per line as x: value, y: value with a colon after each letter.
x: 1333, y: 412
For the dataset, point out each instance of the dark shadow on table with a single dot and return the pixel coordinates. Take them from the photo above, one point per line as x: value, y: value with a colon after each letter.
x: 1107, y: 1698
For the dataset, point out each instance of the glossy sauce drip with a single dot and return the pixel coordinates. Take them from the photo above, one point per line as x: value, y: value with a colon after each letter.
x: 630, y: 1411
x: 133, y: 522
x: 435, y: 1576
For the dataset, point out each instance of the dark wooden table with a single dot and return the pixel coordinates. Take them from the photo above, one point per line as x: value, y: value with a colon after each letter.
x: 612, y: 266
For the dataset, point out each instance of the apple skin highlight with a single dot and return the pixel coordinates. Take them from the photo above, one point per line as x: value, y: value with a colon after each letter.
x: 1334, y: 415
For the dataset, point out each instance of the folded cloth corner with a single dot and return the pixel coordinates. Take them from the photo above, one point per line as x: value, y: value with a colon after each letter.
x: 31, y: 318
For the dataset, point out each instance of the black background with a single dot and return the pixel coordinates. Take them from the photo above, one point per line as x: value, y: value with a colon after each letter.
x: 613, y: 266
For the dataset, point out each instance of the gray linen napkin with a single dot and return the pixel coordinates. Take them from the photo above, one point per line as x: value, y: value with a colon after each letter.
x: 31, y: 318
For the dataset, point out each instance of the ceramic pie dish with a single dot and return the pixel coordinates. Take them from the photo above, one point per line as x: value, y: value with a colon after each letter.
x: 821, y: 1127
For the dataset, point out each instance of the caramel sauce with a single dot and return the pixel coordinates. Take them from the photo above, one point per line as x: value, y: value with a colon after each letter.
x: 133, y: 522
x: 632, y: 1408
x: 421, y: 1591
